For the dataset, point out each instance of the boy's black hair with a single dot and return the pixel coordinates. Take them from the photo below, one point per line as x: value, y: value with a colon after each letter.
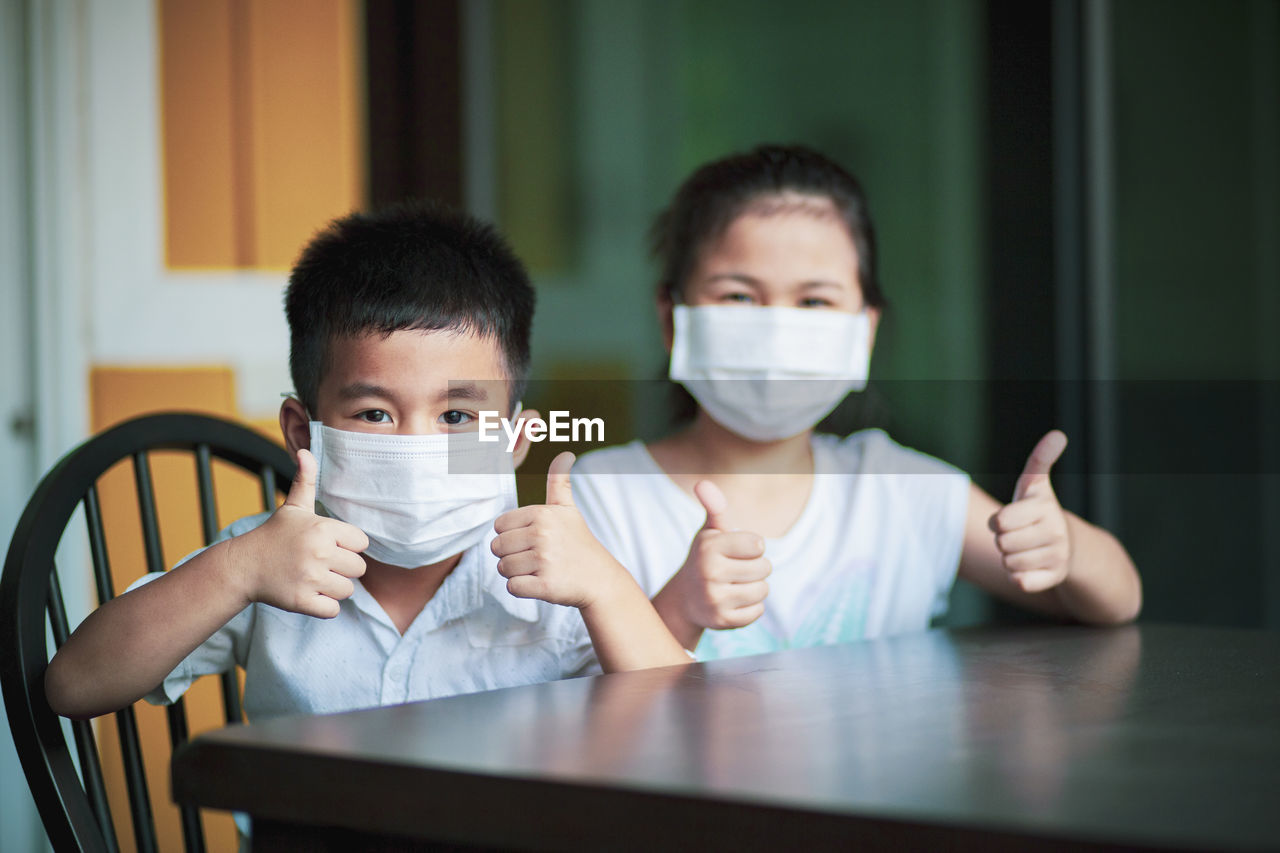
x: 412, y: 266
x: 710, y: 199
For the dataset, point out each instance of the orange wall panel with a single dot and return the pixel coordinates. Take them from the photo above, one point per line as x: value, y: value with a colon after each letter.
x: 196, y: 121
x: 263, y: 127
x: 120, y: 393
x: 306, y: 121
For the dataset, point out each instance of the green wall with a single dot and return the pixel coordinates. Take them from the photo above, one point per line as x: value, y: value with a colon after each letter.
x: 655, y: 87
x: 604, y: 105
x: 1197, y: 303
x: 891, y: 89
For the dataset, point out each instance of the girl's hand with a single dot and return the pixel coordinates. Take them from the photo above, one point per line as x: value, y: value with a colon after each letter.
x: 722, y: 582
x: 1031, y: 531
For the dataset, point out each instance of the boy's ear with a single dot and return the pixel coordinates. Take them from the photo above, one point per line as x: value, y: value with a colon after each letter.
x: 522, y: 443
x: 295, y: 425
x: 665, y: 320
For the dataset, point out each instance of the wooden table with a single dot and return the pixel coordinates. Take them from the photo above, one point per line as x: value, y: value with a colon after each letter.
x: 1150, y: 737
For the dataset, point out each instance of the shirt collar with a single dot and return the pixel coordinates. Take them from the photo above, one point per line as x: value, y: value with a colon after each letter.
x: 463, y: 592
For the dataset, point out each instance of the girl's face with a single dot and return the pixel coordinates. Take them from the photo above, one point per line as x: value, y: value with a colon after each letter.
x: 792, y: 251
x: 795, y: 253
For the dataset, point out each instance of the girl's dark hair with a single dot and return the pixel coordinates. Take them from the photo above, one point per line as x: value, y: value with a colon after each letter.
x: 418, y: 265
x: 715, y: 195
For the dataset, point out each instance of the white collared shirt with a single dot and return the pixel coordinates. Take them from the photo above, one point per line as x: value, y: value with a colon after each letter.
x: 472, y: 635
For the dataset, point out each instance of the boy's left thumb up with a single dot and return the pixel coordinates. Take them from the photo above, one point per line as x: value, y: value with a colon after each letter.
x: 559, y: 486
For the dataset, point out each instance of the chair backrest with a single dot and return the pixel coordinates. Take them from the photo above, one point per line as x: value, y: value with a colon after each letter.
x: 75, y: 811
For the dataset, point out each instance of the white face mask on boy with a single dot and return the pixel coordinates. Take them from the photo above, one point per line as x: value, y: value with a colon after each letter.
x: 769, y: 373
x: 419, y: 498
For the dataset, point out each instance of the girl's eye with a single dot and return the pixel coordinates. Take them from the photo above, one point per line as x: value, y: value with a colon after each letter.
x: 453, y: 417
x: 374, y: 416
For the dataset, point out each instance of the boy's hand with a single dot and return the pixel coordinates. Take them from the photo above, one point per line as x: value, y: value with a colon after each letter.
x: 547, y: 552
x: 722, y: 582
x: 1031, y: 531
x: 300, y: 561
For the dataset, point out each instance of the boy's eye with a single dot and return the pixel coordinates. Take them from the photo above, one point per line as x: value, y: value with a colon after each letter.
x: 816, y: 302
x: 453, y: 417
x: 374, y: 416
x: 744, y: 298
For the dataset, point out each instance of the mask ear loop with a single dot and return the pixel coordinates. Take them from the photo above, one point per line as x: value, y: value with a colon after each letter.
x: 293, y: 395
x: 315, y: 448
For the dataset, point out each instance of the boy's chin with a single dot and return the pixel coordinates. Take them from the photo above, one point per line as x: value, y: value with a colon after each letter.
x: 391, y: 568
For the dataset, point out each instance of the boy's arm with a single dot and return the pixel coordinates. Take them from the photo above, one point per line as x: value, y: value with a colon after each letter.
x: 547, y: 552
x: 1033, y: 553
x: 626, y: 632
x: 131, y: 643
x: 296, y: 561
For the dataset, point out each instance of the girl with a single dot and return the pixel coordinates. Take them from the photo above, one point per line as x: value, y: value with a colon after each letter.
x: 769, y: 303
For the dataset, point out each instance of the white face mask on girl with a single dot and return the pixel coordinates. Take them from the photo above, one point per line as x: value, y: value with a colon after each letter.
x: 419, y: 498
x: 769, y: 373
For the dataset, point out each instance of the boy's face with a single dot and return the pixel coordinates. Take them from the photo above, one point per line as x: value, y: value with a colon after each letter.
x: 407, y: 383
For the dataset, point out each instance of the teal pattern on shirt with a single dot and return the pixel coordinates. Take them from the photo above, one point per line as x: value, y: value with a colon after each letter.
x: 837, y: 615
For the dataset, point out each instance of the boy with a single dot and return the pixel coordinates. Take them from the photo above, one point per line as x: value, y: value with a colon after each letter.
x: 404, y: 325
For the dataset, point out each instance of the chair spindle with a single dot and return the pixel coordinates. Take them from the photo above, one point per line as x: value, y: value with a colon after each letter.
x: 98, y: 546
x: 268, y: 477
x: 209, y: 526
x: 147, y: 508
x: 208, y: 501
x: 144, y: 825
x: 192, y: 829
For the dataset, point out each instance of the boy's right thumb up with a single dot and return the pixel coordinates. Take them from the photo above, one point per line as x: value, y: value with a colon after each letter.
x: 559, y: 484
x: 715, y: 503
x: 302, y: 493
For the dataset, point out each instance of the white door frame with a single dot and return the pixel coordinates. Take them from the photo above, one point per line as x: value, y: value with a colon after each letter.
x: 57, y: 226
x: 103, y: 293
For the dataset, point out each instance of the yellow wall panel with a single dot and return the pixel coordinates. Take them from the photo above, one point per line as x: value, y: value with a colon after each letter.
x: 197, y: 123
x: 120, y: 393
x: 306, y: 121
x: 263, y: 126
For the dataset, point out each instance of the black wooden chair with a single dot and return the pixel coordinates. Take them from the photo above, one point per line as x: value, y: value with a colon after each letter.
x: 73, y: 806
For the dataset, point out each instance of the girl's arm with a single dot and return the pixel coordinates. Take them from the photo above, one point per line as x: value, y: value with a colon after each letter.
x: 1033, y: 553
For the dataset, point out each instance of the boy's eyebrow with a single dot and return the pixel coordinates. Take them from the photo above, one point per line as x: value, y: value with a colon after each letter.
x: 363, y: 389
x: 456, y: 390
x: 464, y: 391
